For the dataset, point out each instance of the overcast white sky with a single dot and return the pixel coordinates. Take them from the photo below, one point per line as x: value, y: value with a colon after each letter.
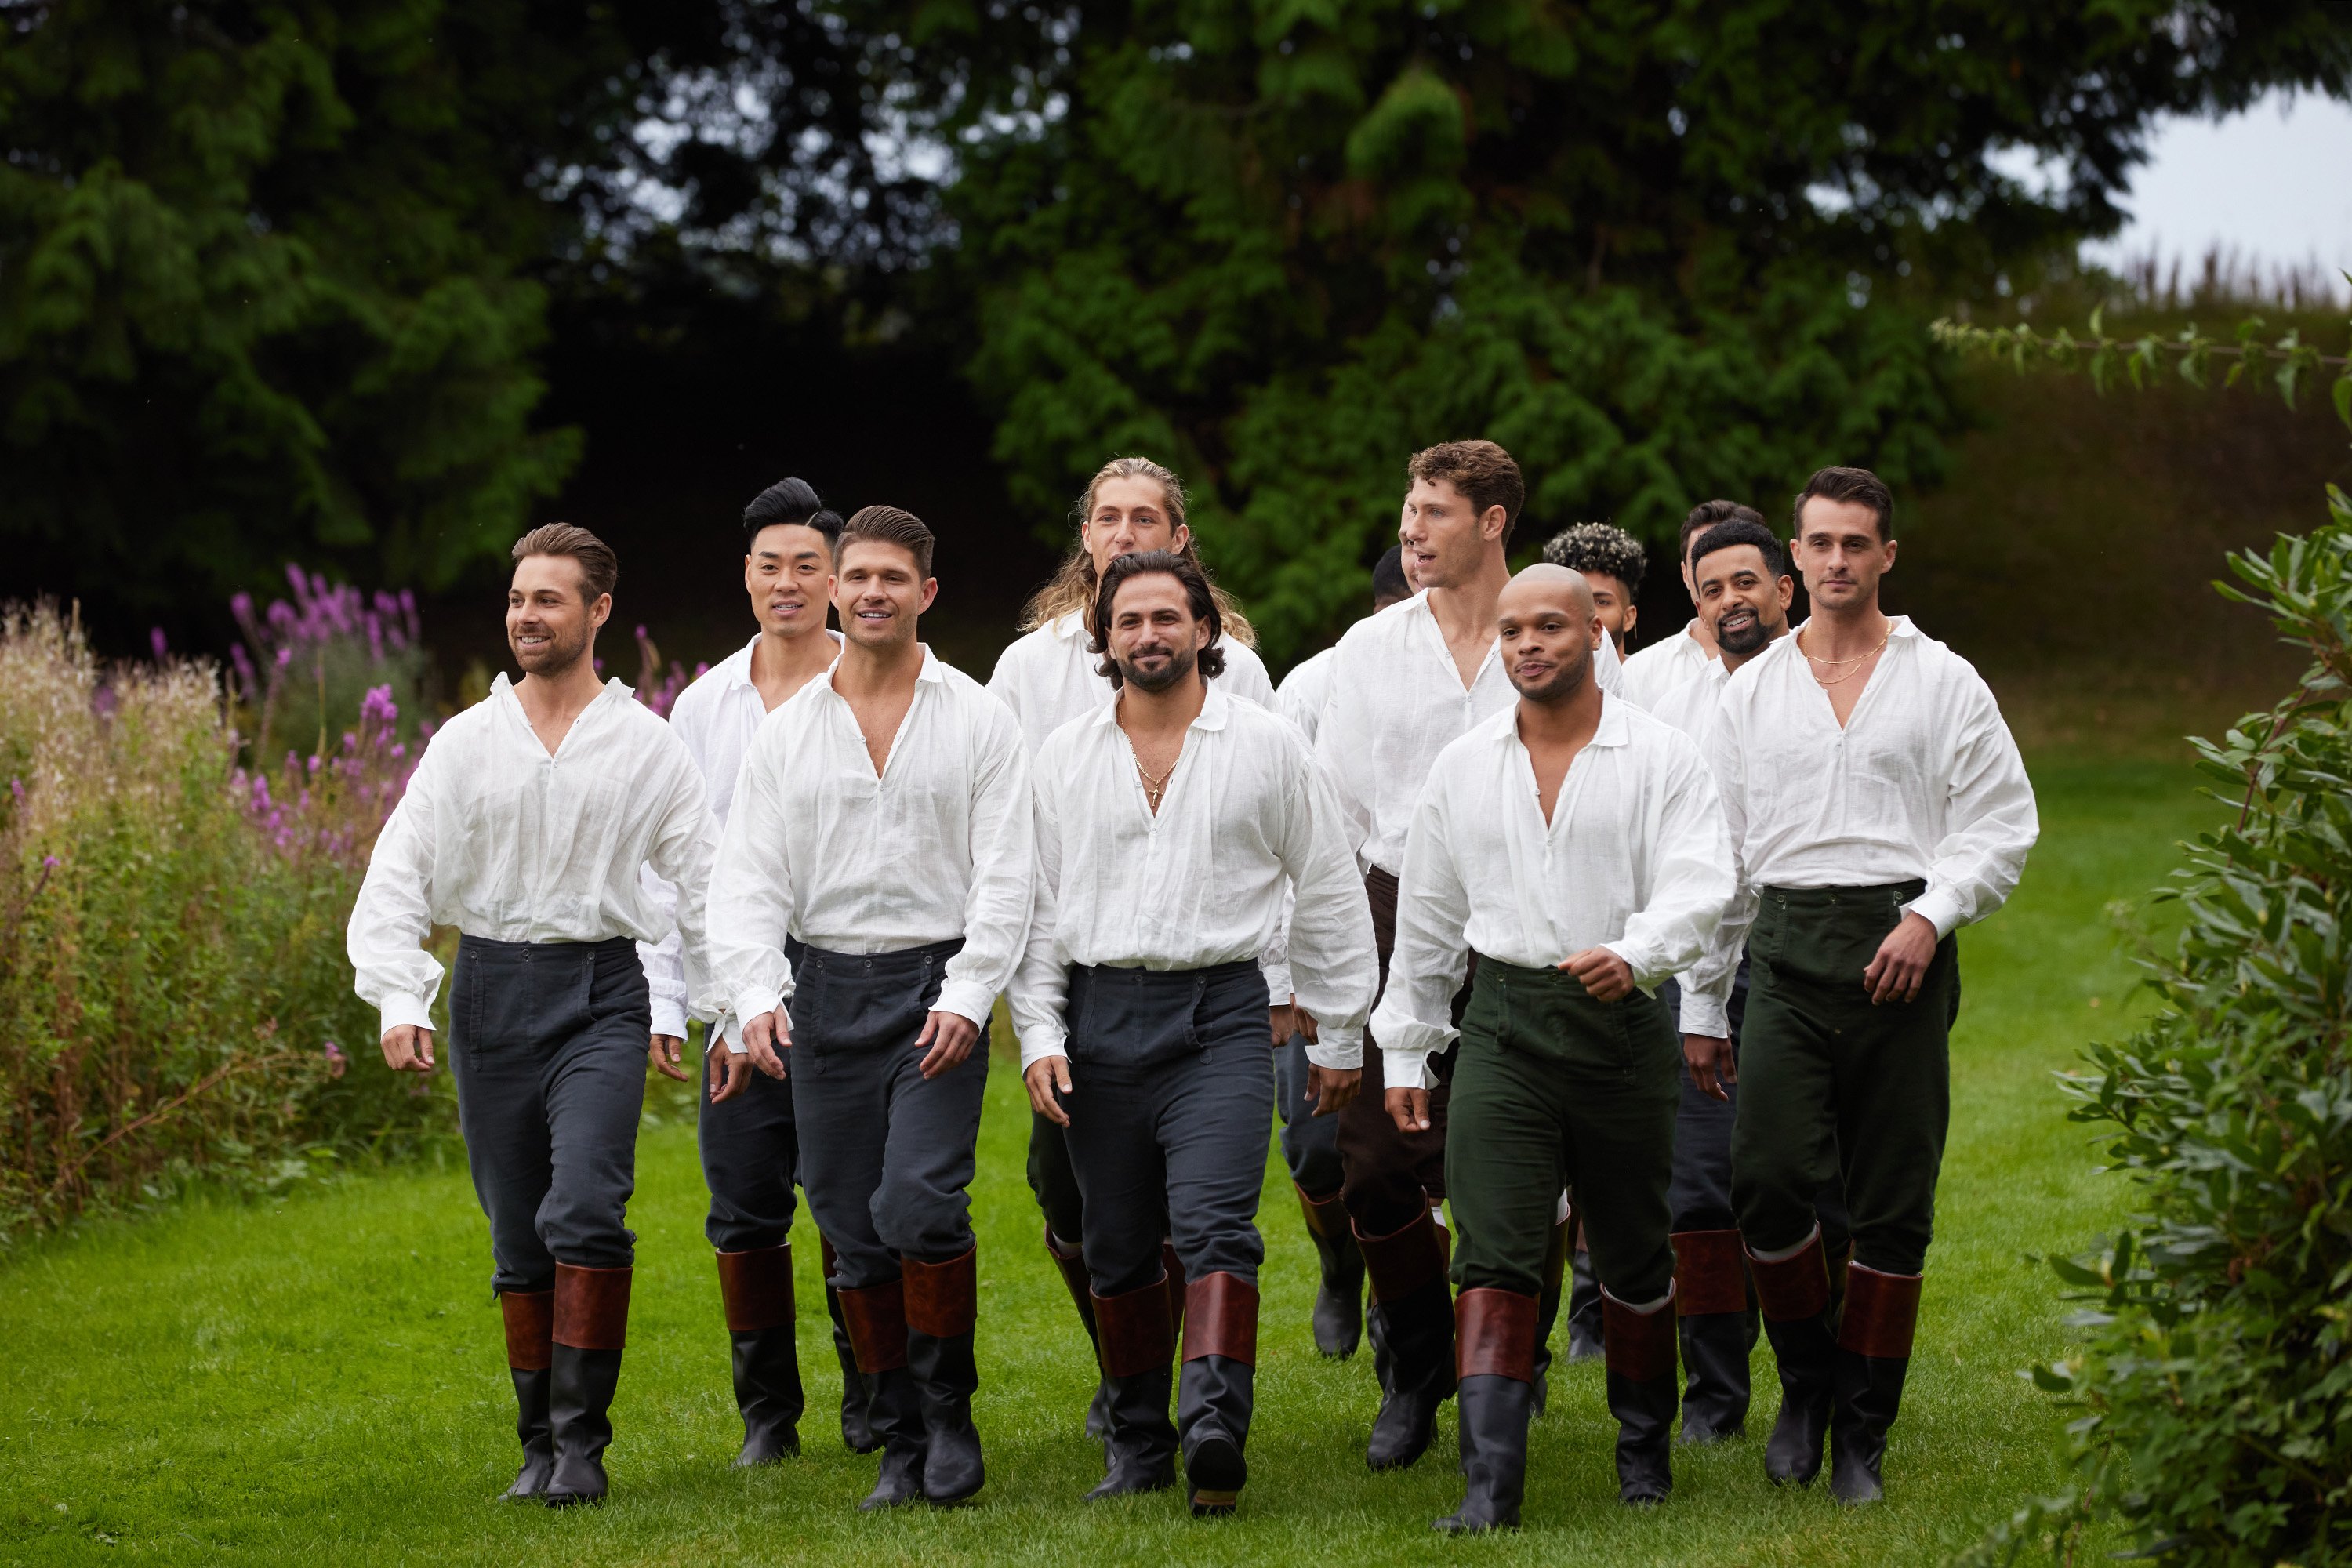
x: 2276, y: 182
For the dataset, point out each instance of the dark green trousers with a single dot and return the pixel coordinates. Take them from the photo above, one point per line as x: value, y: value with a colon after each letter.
x: 1831, y: 1085
x: 1553, y: 1089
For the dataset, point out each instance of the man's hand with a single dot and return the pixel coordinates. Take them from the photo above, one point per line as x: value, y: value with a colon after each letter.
x: 764, y: 1037
x: 730, y: 1071
x: 1291, y: 1019
x: 663, y: 1054
x: 1608, y: 977
x: 1043, y: 1077
x: 407, y: 1048
x: 1333, y: 1087
x: 949, y: 1037
x: 1408, y: 1108
x: 1712, y: 1065
x: 1895, y: 975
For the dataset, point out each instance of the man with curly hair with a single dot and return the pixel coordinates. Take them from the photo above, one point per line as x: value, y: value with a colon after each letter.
x: 1612, y: 561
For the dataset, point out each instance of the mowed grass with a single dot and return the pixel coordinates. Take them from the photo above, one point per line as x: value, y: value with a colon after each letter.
x: 322, y: 1380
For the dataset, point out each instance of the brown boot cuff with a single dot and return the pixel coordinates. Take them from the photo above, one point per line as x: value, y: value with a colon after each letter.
x: 1137, y: 1334
x: 1327, y: 1218
x: 1221, y: 1319
x: 1709, y: 1279
x: 1405, y: 1260
x: 1795, y: 1287
x: 1495, y: 1334
x: 592, y: 1308
x: 876, y: 1317
x: 1882, y: 1312
x: 531, y: 1328
x: 756, y: 1287
x: 943, y: 1298
x: 1638, y: 1347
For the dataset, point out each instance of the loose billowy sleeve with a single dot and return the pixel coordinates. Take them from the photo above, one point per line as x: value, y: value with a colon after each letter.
x: 1004, y: 844
x: 1691, y: 879
x: 1041, y: 986
x: 394, y: 913
x: 1343, y: 753
x: 749, y: 908
x: 1333, y: 966
x: 1991, y: 821
x: 1706, y: 985
x: 1415, y: 1017
x: 679, y: 856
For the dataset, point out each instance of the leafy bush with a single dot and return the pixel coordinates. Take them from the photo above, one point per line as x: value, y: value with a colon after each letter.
x: 2214, y: 1386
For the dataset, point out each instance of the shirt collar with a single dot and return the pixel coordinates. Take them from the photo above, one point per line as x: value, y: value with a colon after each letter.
x: 1212, y: 716
x: 931, y: 672
x: 1072, y: 624
x: 502, y: 692
x: 1615, y: 727
x: 735, y: 669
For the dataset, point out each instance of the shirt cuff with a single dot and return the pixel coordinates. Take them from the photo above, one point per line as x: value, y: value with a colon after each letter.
x: 1401, y: 1069
x: 1039, y: 1043
x: 399, y: 1010
x: 750, y: 1004
x: 1647, y: 962
x: 1939, y: 908
x: 1278, y: 991
x: 1705, y: 1016
x: 1340, y: 1049
x: 966, y: 999
x: 669, y: 1018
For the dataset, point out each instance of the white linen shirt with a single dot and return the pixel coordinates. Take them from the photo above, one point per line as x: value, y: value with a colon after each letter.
x: 1690, y: 708
x: 1397, y: 699
x: 1047, y: 678
x: 1246, y: 818
x: 1304, y: 691
x: 1923, y: 783
x: 503, y: 840
x: 1653, y: 671
x: 1634, y: 860
x: 937, y: 846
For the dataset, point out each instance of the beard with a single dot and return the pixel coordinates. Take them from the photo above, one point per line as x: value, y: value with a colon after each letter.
x: 1747, y: 639
x: 559, y: 655
x: 1179, y: 666
x: 1567, y: 679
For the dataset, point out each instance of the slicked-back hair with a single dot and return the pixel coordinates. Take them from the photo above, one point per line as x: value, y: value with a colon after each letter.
x: 1709, y: 513
x: 1724, y: 535
x: 1388, y: 581
x: 890, y: 525
x: 790, y: 502
x: 599, y: 567
x: 1600, y: 547
x: 1199, y: 593
x: 1859, y: 486
x: 1484, y: 474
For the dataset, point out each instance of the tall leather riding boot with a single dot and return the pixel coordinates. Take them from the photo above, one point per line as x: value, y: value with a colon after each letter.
x: 1794, y: 1295
x: 942, y: 1308
x: 1555, y: 1267
x: 1584, y: 1308
x: 591, y: 1325
x: 1640, y: 1351
x: 530, y: 1326
x: 1216, y: 1390
x: 755, y: 1288
x: 876, y: 1319
x: 1139, y: 1360
x: 1717, y: 1328
x: 1340, y: 1299
x: 1497, y: 1332
x: 1071, y: 1264
x: 1416, y: 1331
x: 857, y: 1431
x: 1882, y: 1310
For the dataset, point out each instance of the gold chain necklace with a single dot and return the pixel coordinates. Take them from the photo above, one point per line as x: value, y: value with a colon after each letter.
x: 1155, y: 788
x: 1835, y: 663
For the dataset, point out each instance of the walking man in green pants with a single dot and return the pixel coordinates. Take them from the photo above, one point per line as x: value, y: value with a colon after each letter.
x: 1876, y: 804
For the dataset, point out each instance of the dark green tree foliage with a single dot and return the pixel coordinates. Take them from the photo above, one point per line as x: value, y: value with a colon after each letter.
x: 1282, y: 245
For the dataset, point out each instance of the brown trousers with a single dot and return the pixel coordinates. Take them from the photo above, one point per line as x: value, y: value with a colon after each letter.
x: 1388, y: 1176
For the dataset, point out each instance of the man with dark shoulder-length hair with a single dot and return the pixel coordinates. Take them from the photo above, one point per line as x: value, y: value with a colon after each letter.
x: 1172, y: 826
x: 874, y: 876
x: 526, y: 825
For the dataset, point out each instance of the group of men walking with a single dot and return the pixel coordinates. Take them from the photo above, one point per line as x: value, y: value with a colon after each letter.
x: 1643, y: 963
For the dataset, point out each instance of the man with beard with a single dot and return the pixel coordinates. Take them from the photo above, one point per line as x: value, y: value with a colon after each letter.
x: 1173, y: 826
x: 875, y: 875
x: 1310, y: 1136
x: 1876, y: 804
x: 1612, y: 562
x: 525, y: 826
x: 750, y: 1155
x: 1404, y: 684
x: 1653, y: 671
x: 1050, y: 677
x: 1575, y: 844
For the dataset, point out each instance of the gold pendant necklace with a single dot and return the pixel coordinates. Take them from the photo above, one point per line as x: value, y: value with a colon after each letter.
x: 1155, y: 788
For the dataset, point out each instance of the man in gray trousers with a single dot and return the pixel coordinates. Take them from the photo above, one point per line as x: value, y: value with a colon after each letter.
x: 872, y: 890
x: 526, y: 825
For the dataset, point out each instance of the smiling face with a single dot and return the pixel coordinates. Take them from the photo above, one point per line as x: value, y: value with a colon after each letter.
x: 1839, y: 551
x: 1129, y: 514
x: 1446, y: 538
x: 789, y: 574
x: 1154, y: 638
x: 1739, y: 600
x: 1547, y: 632
x: 551, y: 624
x: 879, y: 592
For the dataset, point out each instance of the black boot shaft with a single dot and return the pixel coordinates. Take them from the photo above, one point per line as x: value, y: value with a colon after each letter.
x: 767, y: 1370
x: 1338, y: 1320
x: 1417, y: 1332
x: 1140, y: 1441
x: 1492, y: 1414
x: 1806, y: 1351
x: 857, y: 1431
x: 1869, y: 1397
x: 578, y: 1406
x: 945, y: 1380
x: 530, y: 1386
x: 895, y: 1406
x: 1645, y: 1422
x: 1716, y: 1392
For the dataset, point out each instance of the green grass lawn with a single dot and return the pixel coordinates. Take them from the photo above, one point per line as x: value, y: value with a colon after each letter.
x: 321, y: 1379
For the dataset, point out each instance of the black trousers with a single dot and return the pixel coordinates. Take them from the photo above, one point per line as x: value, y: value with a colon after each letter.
x: 1391, y: 1175
x: 1310, y: 1143
x: 750, y: 1158
x: 547, y: 1046
x: 886, y: 1156
x: 1170, y: 1103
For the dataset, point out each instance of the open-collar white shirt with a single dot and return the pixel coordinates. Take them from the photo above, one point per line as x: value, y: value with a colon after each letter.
x: 1048, y: 677
x: 1304, y: 691
x: 502, y: 840
x: 1923, y: 783
x: 1246, y: 818
x: 940, y: 845
x: 1634, y: 860
x: 1653, y: 671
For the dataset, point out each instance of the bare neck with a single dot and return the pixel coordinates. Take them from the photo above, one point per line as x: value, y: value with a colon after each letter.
x: 1570, y: 721
x: 785, y: 664
x: 1467, y: 613
x: 563, y: 695
x: 1844, y: 633
x: 865, y: 671
x: 1162, y: 713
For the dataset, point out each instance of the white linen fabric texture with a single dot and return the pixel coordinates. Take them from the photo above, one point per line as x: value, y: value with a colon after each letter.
x: 1397, y: 699
x: 1635, y: 858
x: 503, y: 840
x: 1048, y: 677
x: 1924, y: 781
x: 1304, y: 691
x: 1247, y: 817
x: 716, y: 716
x: 939, y: 845
x: 1652, y: 672
x: 1690, y: 708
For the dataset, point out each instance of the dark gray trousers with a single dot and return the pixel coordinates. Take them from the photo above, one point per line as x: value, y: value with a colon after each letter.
x: 1310, y: 1143
x: 547, y: 1047
x: 885, y: 1157
x: 1170, y: 1103
x: 750, y: 1157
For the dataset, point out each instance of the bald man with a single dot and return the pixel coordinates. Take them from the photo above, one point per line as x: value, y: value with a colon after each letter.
x: 1580, y: 898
